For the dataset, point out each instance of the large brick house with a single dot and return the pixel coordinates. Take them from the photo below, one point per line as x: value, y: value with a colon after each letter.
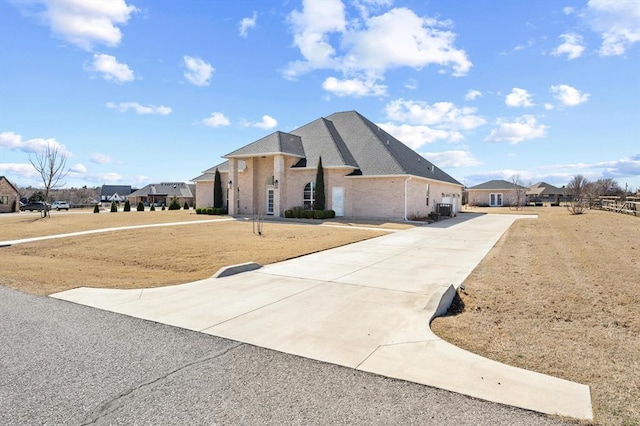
x: 368, y: 173
x: 9, y: 196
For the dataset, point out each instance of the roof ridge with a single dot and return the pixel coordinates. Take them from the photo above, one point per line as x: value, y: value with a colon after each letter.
x: 339, y: 142
x: 368, y: 123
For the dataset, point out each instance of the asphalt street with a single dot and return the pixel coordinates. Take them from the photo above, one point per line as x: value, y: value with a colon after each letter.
x: 67, y: 364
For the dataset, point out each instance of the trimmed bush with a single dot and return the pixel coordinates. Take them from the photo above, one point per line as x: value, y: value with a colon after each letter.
x: 309, y: 214
x: 186, y: 206
x: 163, y: 207
x: 332, y: 214
x: 288, y: 214
x: 114, y: 207
x: 210, y: 210
x: 153, y: 208
x: 174, y: 205
x: 127, y: 206
x: 140, y: 207
x: 96, y: 208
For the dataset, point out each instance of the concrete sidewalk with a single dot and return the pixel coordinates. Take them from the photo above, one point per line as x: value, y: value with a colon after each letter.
x: 365, y: 306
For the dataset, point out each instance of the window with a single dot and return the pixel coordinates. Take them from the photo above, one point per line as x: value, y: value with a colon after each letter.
x: 4, y: 199
x: 309, y: 195
x: 427, y: 194
x: 495, y: 200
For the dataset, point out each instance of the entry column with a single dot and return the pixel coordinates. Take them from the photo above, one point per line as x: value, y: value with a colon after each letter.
x: 232, y: 185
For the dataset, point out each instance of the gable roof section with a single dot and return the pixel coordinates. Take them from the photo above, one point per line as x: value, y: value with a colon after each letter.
x: 10, y: 184
x: 543, y: 188
x: 109, y: 190
x: 321, y: 138
x: 497, y: 184
x: 379, y: 153
x: 209, y: 174
x: 275, y: 143
x: 170, y: 189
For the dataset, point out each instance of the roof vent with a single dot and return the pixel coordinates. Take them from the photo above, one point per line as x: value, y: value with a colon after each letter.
x: 387, y: 141
x: 433, y: 168
x: 419, y: 159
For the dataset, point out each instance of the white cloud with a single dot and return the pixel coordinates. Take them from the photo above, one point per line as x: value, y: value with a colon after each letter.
x: 140, y: 109
x: 617, y: 22
x: 519, y: 98
x: 472, y: 95
x: 417, y: 136
x: 444, y: 115
x: 452, y: 159
x: 216, y: 119
x: 568, y: 96
x: 14, y: 142
x: 370, y: 45
x: 24, y: 170
x: 522, y: 128
x: 110, y: 68
x: 81, y: 22
x: 572, y: 46
x: 248, y: 23
x: 353, y: 87
x: 548, y: 106
x: 411, y: 84
x: 99, y: 158
x: 198, y: 71
x: 78, y: 169
x: 267, y: 123
x: 568, y: 10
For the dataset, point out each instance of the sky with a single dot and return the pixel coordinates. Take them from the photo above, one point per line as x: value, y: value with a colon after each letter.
x: 145, y: 91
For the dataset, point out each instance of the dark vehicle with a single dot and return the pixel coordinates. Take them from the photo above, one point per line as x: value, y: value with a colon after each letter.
x: 34, y: 205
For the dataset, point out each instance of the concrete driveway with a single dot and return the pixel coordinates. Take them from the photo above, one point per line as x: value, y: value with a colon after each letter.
x: 365, y: 306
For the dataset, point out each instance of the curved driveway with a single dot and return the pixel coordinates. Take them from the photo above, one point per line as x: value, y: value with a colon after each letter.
x: 365, y: 306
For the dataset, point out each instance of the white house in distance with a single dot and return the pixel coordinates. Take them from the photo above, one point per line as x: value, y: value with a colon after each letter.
x: 367, y: 173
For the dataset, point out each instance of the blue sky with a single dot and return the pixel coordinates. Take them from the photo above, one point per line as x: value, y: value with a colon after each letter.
x: 143, y: 91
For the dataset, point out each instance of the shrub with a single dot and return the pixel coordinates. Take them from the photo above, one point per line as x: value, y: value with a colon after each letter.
x: 317, y: 214
x: 209, y: 210
x: 114, y: 207
x: 96, y: 208
x: 127, y: 206
x: 153, y: 208
x: 163, y: 207
x: 288, y: 213
x: 332, y: 214
x: 174, y: 205
x: 140, y: 207
x: 309, y: 214
x: 186, y: 206
x: 198, y: 210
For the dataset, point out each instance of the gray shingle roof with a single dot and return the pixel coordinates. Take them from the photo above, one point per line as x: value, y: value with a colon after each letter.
x: 345, y: 139
x: 109, y: 190
x: 543, y: 188
x: 278, y: 142
x: 170, y: 189
x: 497, y: 184
x: 209, y: 174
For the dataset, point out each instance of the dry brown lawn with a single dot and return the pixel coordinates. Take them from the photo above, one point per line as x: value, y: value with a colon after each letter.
x: 152, y: 257
x: 560, y: 295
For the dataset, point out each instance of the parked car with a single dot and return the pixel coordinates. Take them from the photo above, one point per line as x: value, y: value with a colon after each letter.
x: 60, y: 205
x: 35, y: 205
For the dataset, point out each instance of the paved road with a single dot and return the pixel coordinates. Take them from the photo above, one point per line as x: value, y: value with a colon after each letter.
x: 63, y: 363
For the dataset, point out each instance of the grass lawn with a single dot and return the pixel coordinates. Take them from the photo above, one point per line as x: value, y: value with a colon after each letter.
x: 152, y: 257
x: 560, y: 295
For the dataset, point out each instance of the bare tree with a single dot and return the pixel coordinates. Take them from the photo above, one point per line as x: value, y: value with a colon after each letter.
x: 520, y: 192
x: 577, y: 191
x: 51, y: 164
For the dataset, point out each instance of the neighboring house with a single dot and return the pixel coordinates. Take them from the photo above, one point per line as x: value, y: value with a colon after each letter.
x: 9, y: 196
x: 367, y: 173
x: 495, y: 193
x: 117, y: 193
x: 163, y: 193
x: 543, y: 192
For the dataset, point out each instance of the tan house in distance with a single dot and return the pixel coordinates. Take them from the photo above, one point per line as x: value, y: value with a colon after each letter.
x: 162, y: 193
x: 368, y: 173
x: 495, y: 193
x: 9, y: 196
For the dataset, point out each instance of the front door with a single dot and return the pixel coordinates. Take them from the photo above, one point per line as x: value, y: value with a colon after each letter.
x: 337, y: 200
x: 270, y: 200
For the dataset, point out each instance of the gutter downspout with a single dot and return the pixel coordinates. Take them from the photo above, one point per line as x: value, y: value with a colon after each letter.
x: 405, y: 197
